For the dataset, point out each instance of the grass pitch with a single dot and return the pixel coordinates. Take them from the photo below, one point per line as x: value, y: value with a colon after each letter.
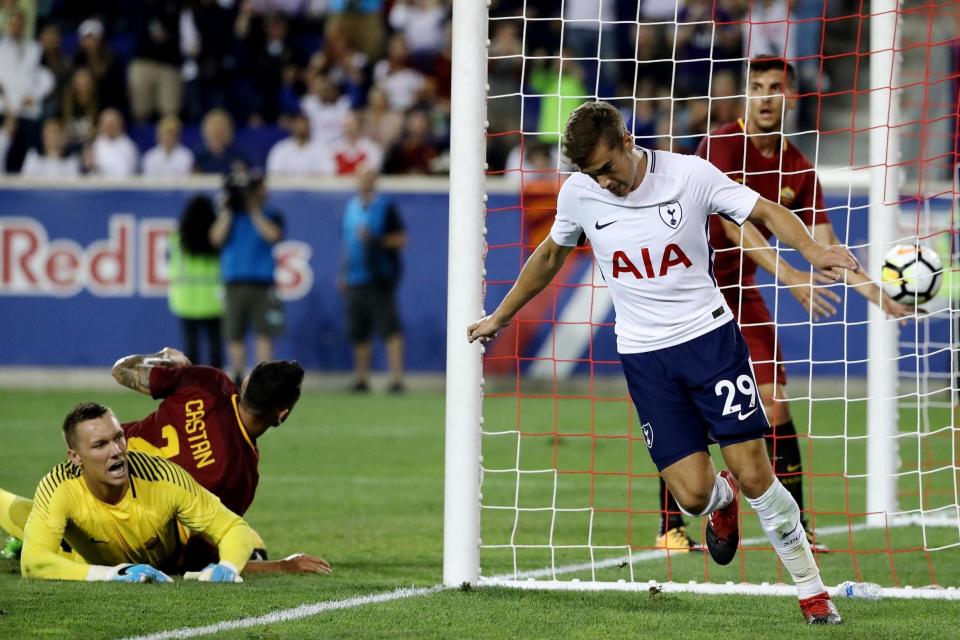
x: 358, y: 480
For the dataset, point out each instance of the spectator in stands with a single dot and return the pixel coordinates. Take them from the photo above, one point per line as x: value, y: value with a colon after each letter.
x: 725, y: 106
x: 245, y: 232
x: 154, y: 83
x: 95, y: 54
x: 342, y: 65
x: 215, y: 59
x: 26, y: 8
x: 588, y: 37
x: 54, y: 162
x: 380, y: 123
x: 54, y: 59
x: 196, y: 292
x: 766, y: 30
x: 267, y: 50
x: 7, y: 129
x: 441, y: 71
x: 703, y: 47
x: 642, y: 116
x: 362, y: 22
x: 356, y: 151
x: 373, y: 236
x: 814, y: 77
x: 505, y: 77
x: 169, y: 159
x: 654, y: 54
x: 414, y: 152
x: 113, y: 154
x: 531, y: 161
x: 326, y: 109
x: 24, y: 84
x: 219, y: 154
x: 690, y: 124
x: 421, y: 22
x: 291, y: 88
x: 81, y: 107
x: 562, y: 89
x: 394, y: 74
x: 298, y: 155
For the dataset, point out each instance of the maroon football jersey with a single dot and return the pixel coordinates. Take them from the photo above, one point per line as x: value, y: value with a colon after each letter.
x: 787, y: 178
x: 198, y: 426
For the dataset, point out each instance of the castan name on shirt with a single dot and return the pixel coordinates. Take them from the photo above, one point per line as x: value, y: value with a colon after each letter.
x: 672, y: 256
x: 200, y: 447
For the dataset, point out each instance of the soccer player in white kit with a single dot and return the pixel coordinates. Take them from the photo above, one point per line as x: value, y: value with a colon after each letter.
x: 686, y: 364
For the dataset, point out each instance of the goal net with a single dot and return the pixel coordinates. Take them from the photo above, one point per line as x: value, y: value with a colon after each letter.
x: 568, y: 496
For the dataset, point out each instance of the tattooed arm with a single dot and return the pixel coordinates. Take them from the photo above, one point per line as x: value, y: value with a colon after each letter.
x: 133, y: 371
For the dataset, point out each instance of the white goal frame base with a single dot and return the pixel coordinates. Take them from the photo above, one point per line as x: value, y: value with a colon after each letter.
x: 705, y: 588
x: 531, y: 580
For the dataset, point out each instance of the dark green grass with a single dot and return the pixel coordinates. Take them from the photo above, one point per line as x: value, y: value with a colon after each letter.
x: 358, y: 480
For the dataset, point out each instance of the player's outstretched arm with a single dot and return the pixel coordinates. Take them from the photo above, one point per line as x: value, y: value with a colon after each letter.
x: 861, y: 282
x: 816, y: 300
x: 133, y: 371
x: 539, y: 270
x: 296, y: 563
x: 831, y: 261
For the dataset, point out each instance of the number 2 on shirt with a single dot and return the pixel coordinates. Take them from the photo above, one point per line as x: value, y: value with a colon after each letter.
x: 170, y: 448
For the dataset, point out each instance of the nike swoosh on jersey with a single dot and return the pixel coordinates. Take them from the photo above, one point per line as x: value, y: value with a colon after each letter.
x: 793, y: 467
x: 741, y: 416
x: 602, y: 226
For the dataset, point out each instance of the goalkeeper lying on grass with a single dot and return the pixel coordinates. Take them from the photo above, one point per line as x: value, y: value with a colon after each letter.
x: 125, y: 515
x: 209, y: 428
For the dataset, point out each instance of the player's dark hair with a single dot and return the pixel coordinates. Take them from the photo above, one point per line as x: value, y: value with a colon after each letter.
x: 198, y: 216
x: 589, y: 124
x: 772, y: 63
x: 273, y: 386
x: 81, y: 413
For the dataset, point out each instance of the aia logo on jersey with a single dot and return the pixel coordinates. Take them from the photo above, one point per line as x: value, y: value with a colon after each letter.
x: 671, y: 214
x: 672, y: 256
x: 787, y: 196
x: 647, y: 430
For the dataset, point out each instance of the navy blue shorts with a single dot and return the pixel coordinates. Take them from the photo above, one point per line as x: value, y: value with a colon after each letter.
x: 696, y: 393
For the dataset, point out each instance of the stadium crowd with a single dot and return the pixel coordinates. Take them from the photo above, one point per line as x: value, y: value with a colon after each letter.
x: 670, y: 83
x: 166, y: 88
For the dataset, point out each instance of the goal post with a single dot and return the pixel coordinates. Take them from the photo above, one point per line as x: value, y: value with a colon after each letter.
x: 548, y: 483
x: 884, y: 196
x: 461, y: 525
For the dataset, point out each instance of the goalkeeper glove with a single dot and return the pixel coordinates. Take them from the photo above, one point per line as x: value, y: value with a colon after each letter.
x: 222, y: 572
x: 136, y: 573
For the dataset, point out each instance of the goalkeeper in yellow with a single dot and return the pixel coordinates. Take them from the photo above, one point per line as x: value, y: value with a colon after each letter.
x: 125, y: 515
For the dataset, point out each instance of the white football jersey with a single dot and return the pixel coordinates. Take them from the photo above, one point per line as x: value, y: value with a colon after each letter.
x: 652, y: 246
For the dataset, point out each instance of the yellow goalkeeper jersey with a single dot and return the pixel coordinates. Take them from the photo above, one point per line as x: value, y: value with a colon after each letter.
x: 141, y: 528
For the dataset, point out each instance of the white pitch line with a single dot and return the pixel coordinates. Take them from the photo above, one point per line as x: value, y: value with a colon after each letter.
x: 286, y: 615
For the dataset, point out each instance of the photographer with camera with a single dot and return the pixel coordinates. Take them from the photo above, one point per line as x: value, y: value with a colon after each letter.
x: 245, y: 232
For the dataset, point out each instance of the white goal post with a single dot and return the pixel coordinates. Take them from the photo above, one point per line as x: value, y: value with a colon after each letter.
x: 879, y: 506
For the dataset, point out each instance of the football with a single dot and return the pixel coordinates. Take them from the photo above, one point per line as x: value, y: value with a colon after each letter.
x: 911, y: 273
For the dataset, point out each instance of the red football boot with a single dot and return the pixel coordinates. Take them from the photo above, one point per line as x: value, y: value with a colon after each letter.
x: 819, y: 609
x: 723, y: 526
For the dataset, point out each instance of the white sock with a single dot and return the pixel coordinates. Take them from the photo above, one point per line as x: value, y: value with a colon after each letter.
x: 780, y: 519
x: 720, y: 497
